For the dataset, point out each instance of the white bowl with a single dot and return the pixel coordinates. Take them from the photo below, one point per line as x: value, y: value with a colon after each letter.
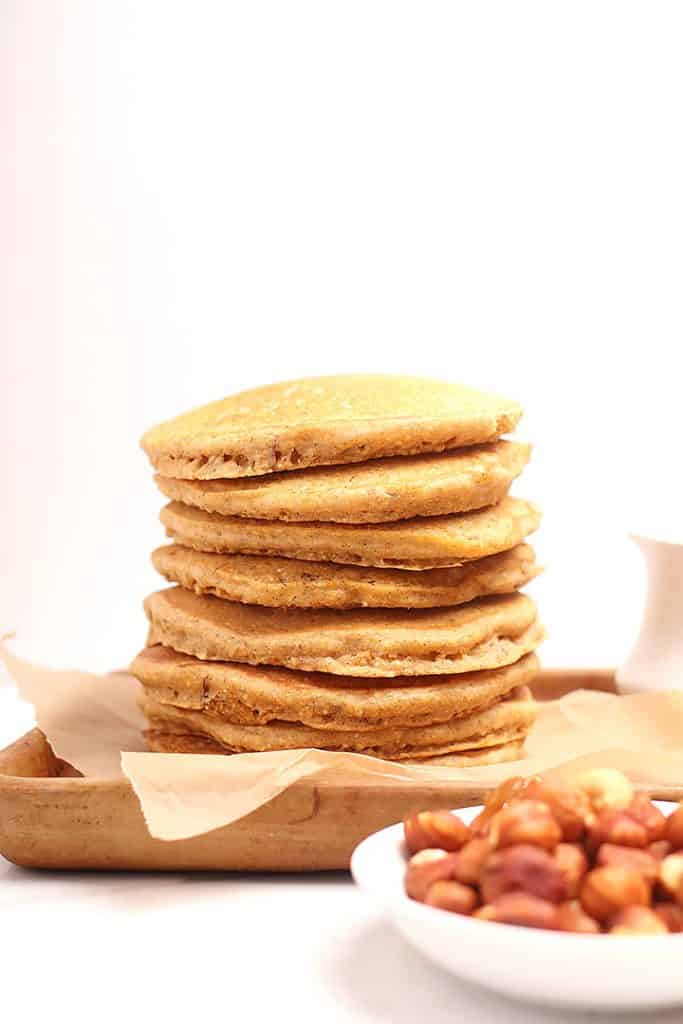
x: 555, y: 968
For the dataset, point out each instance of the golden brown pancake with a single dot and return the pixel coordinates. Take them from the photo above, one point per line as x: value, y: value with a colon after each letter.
x: 293, y: 583
x: 252, y: 695
x: 369, y: 492
x: 504, y: 753
x: 422, y: 543
x: 507, y: 721
x: 486, y: 633
x: 185, y: 743
x: 325, y: 421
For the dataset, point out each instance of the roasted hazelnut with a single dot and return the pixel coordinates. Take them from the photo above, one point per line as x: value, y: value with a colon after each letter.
x: 524, y: 821
x: 618, y: 828
x: 452, y: 896
x: 573, y: 865
x: 471, y: 860
x: 674, y: 829
x: 523, y: 868
x: 435, y: 830
x: 671, y: 875
x: 671, y: 914
x: 520, y: 908
x: 661, y: 849
x: 628, y: 857
x: 527, y: 858
x: 642, y: 810
x: 572, y: 918
x: 606, y: 788
x: 570, y: 808
x: 425, y: 868
x: 604, y: 891
x: 637, y: 921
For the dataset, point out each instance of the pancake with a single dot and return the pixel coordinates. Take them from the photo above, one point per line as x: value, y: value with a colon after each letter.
x: 502, y: 754
x: 369, y: 642
x: 252, y: 695
x: 507, y: 721
x: 291, y: 582
x: 325, y: 421
x: 185, y: 743
x: 370, y: 492
x: 408, y: 544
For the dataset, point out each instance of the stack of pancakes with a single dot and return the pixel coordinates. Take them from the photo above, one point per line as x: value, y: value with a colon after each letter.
x: 347, y: 561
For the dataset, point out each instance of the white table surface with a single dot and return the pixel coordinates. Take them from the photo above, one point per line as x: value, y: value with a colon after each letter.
x: 97, y: 947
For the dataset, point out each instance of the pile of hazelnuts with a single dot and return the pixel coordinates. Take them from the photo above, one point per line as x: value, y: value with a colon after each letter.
x: 592, y: 858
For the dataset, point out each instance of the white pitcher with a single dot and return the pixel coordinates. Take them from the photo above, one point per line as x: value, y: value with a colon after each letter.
x: 656, y: 661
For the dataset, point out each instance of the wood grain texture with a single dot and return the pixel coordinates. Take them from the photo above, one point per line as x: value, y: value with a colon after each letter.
x: 54, y: 822
x: 50, y: 819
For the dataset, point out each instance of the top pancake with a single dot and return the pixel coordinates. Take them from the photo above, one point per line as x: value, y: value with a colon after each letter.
x: 371, y: 492
x: 322, y: 421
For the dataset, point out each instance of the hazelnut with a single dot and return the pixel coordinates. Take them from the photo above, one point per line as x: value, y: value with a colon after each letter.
x: 606, y: 890
x: 618, y: 828
x: 471, y: 860
x: 452, y: 896
x: 573, y: 865
x: 440, y: 830
x: 637, y: 921
x: 525, y: 821
x: 527, y: 858
x: 572, y: 918
x: 642, y: 810
x: 523, y: 868
x: 520, y: 908
x: 661, y: 849
x: 671, y: 875
x: 606, y: 787
x: 425, y: 868
x: 674, y: 829
x: 628, y: 857
x: 570, y: 808
x: 671, y: 914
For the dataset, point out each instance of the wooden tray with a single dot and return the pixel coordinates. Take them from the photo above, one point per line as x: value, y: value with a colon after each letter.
x: 52, y: 818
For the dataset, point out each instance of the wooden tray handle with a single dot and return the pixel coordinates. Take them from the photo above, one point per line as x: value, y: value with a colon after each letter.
x: 32, y: 757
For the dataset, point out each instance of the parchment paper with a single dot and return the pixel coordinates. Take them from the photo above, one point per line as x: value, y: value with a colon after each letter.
x: 93, y: 723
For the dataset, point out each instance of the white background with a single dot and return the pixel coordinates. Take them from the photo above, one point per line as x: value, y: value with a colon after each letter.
x: 203, y: 197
